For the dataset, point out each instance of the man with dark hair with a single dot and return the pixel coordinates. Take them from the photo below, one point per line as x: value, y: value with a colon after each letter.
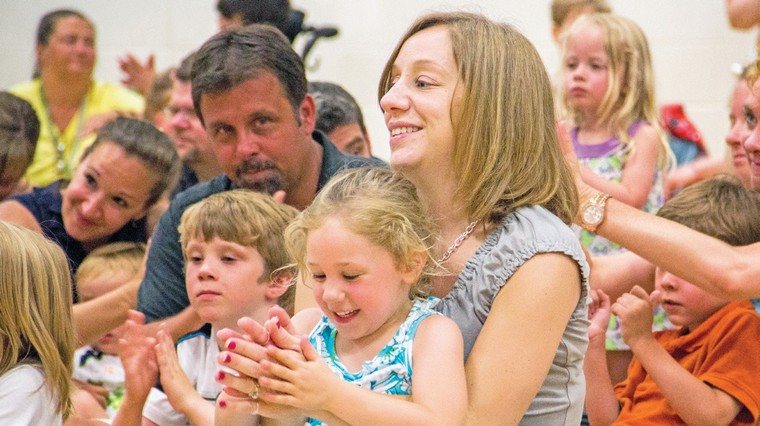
x: 249, y: 91
x: 186, y: 131
x: 239, y: 13
x: 340, y: 118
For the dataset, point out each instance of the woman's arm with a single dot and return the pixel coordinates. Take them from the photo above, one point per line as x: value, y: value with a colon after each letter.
x: 515, y: 348
x: 706, y: 262
x: 638, y: 173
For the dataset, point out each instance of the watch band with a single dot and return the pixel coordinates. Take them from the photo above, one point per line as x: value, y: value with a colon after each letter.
x: 594, y: 211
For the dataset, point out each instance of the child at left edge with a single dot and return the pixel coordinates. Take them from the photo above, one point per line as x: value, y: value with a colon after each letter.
x: 362, y: 246
x: 234, y: 268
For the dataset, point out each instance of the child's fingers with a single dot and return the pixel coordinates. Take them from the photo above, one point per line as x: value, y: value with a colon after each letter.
x: 274, y: 387
x: 282, y: 315
x: 604, y: 300
x: 271, y: 369
x: 256, y: 331
x: 279, y: 399
x: 281, y: 337
x: 288, y: 358
x: 640, y: 293
x: 654, y: 298
x: 308, y: 350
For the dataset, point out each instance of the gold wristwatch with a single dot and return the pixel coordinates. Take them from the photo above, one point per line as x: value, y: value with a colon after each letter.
x: 593, y: 211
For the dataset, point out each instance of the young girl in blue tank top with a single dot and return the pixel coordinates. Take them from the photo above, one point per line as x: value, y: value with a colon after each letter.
x: 622, y: 150
x: 362, y: 246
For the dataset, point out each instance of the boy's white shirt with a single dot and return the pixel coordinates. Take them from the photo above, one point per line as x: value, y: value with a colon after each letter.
x: 197, y: 357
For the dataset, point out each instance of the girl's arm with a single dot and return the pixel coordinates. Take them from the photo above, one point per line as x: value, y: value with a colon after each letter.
x: 697, y: 170
x: 438, y: 393
x: 638, y: 173
x: 516, y: 346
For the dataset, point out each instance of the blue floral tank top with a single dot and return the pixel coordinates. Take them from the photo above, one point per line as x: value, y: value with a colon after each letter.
x: 390, y: 371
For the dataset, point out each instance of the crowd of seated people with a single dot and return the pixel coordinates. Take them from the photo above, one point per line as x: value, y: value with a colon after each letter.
x: 217, y: 244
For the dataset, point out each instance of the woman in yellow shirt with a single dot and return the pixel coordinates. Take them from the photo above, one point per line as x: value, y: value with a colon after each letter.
x: 69, y: 103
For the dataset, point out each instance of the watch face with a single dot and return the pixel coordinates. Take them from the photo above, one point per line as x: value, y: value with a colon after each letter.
x: 592, y: 215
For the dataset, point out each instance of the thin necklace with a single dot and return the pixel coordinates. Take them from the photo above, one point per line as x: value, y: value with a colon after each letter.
x: 458, y: 242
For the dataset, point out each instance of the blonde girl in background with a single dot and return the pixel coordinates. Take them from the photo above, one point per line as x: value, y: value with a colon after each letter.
x: 36, y: 333
x: 362, y: 247
x: 621, y: 148
x: 609, y: 94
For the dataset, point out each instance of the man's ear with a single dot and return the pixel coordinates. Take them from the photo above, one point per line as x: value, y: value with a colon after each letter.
x: 279, y: 284
x: 307, y: 113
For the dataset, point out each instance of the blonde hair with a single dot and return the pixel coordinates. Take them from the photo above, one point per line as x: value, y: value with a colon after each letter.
x: 561, y: 8
x: 378, y: 204
x: 244, y: 217
x: 35, y: 309
x: 630, y: 91
x: 753, y: 70
x: 122, y: 257
x: 506, y: 153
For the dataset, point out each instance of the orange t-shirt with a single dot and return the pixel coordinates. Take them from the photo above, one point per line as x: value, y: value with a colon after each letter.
x: 723, y: 351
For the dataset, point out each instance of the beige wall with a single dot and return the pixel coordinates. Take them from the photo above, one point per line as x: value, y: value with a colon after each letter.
x: 693, y: 47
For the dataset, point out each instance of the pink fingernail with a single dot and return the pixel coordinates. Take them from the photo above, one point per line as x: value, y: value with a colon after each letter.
x: 220, y: 375
x: 227, y: 358
x: 231, y: 345
x: 222, y: 404
x: 276, y: 322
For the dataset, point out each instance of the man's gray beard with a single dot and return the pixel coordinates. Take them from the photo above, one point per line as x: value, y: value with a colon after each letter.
x: 269, y: 185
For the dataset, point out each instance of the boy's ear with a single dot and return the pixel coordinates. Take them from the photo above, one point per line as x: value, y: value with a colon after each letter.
x: 279, y: 284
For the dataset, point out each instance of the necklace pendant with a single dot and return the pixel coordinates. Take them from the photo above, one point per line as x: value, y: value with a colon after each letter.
x: 60, y: 165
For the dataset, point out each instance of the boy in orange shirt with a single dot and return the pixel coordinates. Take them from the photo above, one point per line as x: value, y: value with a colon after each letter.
x: 708, y: 372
